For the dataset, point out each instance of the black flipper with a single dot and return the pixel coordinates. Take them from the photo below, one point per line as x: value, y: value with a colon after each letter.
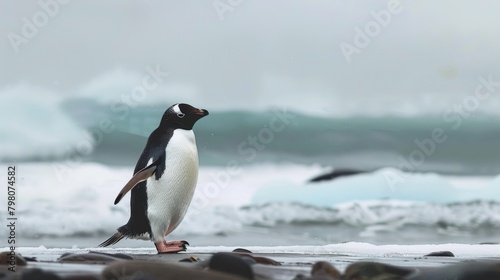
x: 141, y: 175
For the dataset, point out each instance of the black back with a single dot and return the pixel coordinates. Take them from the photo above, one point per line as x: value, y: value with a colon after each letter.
x: 139, y: 223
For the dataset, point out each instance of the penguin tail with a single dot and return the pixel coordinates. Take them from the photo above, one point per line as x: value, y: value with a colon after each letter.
x: 112, y: 240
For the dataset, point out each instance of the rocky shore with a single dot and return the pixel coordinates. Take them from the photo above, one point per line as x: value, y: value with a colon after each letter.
x: 241, y: 263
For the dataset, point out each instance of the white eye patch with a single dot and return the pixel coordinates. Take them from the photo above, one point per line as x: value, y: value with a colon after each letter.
x: 177, y: 110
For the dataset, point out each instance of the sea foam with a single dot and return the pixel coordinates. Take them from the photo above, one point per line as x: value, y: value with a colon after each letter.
x: 80, y: 203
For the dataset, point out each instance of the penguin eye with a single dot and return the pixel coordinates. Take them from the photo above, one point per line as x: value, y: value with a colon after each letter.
x: 180, y: 115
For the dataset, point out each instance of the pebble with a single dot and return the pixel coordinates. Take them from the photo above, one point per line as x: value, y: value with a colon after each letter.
x: 260, y: 260
x: 325, y: 269
x: 231, y: 263
x: 440, y: 254
x: 116, y: 255
x: 6, y: 257
x: 321, y: 271
x: 376, y: 271
x: 94, y: 258
x: 38, y: 274
x: 465, y: 271
x: 237, y: 265
x: 192, y: 259
x: 242, y: 250
x: 142, y: 270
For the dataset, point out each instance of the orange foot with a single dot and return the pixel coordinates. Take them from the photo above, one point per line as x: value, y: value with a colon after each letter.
x: 165, y: 247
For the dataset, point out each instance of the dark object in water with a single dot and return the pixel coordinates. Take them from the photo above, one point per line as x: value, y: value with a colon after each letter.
x: 440, y: 254
x: 336, y: 174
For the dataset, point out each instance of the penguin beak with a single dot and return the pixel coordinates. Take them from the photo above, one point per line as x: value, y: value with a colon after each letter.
x: 200, y: 112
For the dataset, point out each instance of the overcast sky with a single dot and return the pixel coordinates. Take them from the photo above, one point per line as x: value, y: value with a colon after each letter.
x: 257, y: 54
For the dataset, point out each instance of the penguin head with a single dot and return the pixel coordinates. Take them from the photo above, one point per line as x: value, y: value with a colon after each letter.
x: 182, y: 116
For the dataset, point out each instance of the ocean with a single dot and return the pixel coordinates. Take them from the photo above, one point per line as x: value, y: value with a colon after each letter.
x: 426, y: 179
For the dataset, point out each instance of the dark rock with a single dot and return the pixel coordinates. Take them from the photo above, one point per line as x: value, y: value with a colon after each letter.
x: 191, y: 259
x: 38, y: 274
x: 256, y: 259
x: 249, y: 259
x: 95, y: 258
x: 116, y: 255
x: 325, y: 269
x: 146, y: 270
x: 143, y: 277
x: 31, y: 259
x: 81, y: 277
x: 66, y: 254
x: 262, y: 260
x: 440, y: 254
x: 321, y: 271
x: 242, y: 250
x: 321, y: 277
x: 375, y: 271
x: 464, y: 271
x: 231, y: 263
x: 7, y: 257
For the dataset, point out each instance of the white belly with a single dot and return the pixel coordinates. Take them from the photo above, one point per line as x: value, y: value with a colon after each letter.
x: 169, y: 197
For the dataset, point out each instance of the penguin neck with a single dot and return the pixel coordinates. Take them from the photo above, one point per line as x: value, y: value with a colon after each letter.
x: 165, y: 131
x: 166, y: 124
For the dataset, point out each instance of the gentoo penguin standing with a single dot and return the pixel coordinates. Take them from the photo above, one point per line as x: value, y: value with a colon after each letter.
x: 164, y: 180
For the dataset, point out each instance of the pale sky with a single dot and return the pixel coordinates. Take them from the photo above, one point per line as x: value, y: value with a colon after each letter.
x: 255, y: 54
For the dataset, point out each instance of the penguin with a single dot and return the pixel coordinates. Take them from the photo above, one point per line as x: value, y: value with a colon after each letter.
x: 164, y: 181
